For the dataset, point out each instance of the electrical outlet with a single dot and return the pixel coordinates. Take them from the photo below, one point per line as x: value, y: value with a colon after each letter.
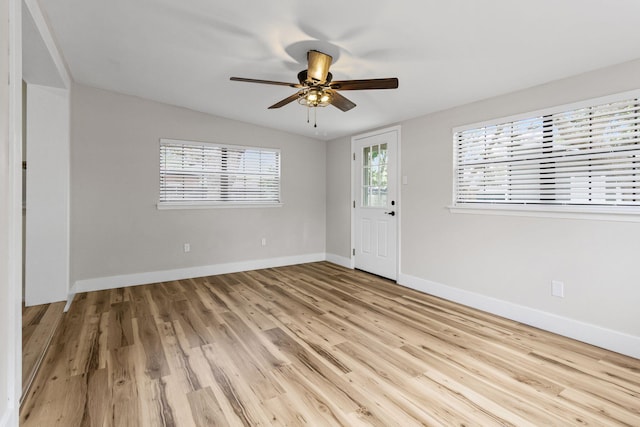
x: 264, y: 241
x: 557, y: 288
x: 187, y: 247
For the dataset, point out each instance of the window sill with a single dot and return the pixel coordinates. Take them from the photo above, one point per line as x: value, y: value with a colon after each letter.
x: 169, y: 206
x: 624, y: 214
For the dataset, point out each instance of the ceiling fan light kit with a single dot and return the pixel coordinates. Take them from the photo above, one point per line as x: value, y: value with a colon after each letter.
x: 314, y: 97
x: 317, y: 88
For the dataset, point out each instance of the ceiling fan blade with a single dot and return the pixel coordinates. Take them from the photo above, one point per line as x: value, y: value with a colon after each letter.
x: 318, y: 67
x: 390, y: 83
x: 266, y: 82
x: 285, y: 101
x: 341, y: 102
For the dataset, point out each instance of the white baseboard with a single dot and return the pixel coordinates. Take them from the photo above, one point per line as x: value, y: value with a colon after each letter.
x: 70, y: 296
x: 592, y: 334
x: 589, y: 333
x: 112, y: 282
x: 340, y: 260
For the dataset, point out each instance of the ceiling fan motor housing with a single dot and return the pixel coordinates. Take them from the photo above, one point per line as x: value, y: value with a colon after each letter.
x: 304, y: 80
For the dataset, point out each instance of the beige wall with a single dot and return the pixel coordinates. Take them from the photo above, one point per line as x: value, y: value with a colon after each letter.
x: 507, y: 258
x: 338, y: 197
x: 515, y: 258
x: 46, y: 273
x: 116, y: 228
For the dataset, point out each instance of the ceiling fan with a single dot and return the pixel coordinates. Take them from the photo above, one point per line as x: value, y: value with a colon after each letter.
x: 317, y: 89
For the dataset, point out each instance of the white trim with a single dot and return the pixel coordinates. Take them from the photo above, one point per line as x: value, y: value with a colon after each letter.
x: 546, y: 211
x: 68, y: 207
x: 10, y: 418
x: 70, y: 296
x: 399, y: 201
x: 352, y: 207
x: 14, y: 199
x: 41, y: 24
x: 551, y: 110
x: 340, y: 260
x: 375, y: 132
x: 589, y: 333
x: 214, y: 205
x: 112, y: 282
x: 197, y: 143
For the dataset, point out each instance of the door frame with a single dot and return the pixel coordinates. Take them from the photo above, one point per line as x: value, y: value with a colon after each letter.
x: 354, y: 192
x: 11, y: 14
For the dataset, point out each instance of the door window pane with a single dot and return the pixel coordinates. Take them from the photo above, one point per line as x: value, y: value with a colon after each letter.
x: 374, y: 176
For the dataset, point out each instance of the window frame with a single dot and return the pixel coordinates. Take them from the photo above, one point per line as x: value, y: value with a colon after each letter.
x: 216, y: 204
x: 592, y: 212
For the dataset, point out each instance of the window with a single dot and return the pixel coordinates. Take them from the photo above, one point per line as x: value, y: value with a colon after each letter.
x: 580, y: 157
x: 374, y: 176
x: 204, y: 174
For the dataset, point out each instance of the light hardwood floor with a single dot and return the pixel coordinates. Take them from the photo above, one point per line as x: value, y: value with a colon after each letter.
x: 316, y: 344
x: 39, y: 323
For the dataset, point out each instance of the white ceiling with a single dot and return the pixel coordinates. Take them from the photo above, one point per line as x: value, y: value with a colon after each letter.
x: 445, y: 53
x: 37, y: 65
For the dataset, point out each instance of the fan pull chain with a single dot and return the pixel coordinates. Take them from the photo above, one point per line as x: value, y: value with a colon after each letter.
x: 315, y: 117
x: 307, y: 114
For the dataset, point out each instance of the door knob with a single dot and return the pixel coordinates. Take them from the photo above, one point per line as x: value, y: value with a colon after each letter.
x: 392, y: 213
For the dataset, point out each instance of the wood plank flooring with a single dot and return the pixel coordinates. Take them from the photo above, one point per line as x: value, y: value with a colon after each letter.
x: 39, y: 323
x: 318, y: 345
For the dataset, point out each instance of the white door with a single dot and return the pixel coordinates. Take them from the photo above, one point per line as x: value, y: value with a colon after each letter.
x: 376, y: 203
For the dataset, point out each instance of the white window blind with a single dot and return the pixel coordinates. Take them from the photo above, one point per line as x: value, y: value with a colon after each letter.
x: 198, y: 173
x: 586, y: 157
